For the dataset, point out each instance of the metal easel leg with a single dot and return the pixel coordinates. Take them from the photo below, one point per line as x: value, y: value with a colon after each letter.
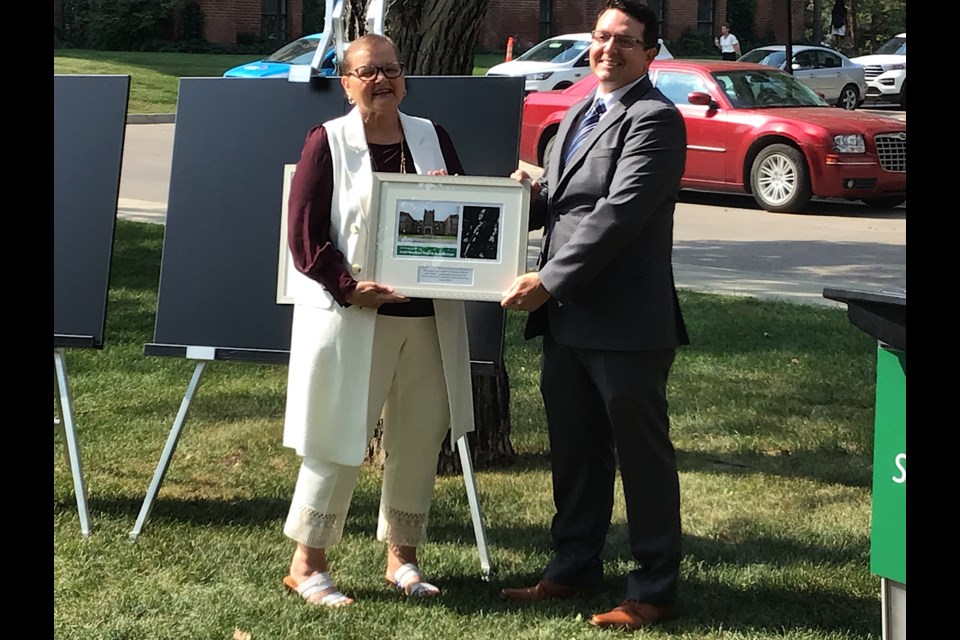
x: 468, y: 478
x: 168, y: 450
x: 69, y: 430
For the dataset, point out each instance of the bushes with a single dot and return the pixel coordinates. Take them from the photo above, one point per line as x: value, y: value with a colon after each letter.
x: 693, y: 44
x: 124, y: 25
x: 169, y: 26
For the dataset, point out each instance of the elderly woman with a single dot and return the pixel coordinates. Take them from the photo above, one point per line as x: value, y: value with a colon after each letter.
x: 358, y: 349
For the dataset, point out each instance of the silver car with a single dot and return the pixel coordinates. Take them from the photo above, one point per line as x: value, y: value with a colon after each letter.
x: 828, y: 72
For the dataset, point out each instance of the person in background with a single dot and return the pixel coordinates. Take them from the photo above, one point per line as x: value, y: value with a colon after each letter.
x: 358, y: 349
x: 605, y: 303
x: 727, y: 43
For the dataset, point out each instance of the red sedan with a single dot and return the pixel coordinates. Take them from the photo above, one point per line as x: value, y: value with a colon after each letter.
x: 753, y: 129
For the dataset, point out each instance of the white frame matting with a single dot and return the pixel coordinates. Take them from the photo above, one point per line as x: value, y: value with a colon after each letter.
x: 450, y: 265
x: 446, y: 268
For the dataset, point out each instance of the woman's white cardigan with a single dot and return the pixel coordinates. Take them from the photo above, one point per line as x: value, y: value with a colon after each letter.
x: 328, y: 379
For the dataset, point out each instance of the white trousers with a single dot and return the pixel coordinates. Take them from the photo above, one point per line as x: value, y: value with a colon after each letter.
x: 407, y: 388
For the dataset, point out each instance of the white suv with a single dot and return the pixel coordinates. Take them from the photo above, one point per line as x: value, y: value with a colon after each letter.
x: 555, y: 63
x: 886, y: 71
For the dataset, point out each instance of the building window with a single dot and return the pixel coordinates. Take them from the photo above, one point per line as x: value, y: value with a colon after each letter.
x: 273, y: 20
x: 705, y: 18
x: 659, y: 8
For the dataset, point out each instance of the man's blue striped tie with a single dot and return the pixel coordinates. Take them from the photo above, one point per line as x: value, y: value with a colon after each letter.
x: 590, y: 120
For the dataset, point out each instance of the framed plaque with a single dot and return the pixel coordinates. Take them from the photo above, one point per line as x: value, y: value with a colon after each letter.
x: 454, y: 237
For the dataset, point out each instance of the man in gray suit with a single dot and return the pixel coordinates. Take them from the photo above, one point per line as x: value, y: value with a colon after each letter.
x: 605, y: 303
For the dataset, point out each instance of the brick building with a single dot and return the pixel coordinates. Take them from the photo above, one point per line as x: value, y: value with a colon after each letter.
x: 527, y: 21
x: 530, y: 21
x: 225, y: 20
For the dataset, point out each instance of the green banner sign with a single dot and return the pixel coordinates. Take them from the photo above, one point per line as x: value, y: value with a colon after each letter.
x: 888, y: 530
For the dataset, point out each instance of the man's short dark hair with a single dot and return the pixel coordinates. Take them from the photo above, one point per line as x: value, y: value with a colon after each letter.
x: 642, y: 14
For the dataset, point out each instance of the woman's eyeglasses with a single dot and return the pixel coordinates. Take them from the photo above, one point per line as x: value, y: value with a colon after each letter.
x: 368, y: 72
x: 623, y: 42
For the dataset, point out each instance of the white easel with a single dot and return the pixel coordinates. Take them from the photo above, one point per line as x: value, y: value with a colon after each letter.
x: 68, y: 430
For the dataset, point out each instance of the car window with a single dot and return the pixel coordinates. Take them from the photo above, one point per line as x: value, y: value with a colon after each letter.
x: 677, y: 85
x: 895, y: 46
x: 555, y: 51
x: 297, y: 52
x: 829, y: 60
x: 805, y: 60
x: 726, y: 85
x: 757, y: 89
x: 765, y: 57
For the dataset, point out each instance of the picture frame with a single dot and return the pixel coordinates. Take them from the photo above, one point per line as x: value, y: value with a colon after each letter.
x: 449, y: 237
x: 285, y: 266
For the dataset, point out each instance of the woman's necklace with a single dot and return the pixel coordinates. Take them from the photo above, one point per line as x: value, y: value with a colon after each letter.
x: 403, y: 157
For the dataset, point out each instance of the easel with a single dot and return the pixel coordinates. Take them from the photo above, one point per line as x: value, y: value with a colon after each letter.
x: 68, y: 431
x: 203, y: 355
x: 90, y: 115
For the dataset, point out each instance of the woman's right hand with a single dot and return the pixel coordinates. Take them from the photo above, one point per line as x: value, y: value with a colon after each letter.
x: 522, y: 176
x: 371, y: 295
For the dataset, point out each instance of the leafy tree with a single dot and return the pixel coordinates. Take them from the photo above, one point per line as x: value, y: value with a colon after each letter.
x: 870, y: 23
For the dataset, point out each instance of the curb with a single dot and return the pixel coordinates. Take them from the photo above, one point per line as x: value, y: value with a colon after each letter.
x: 151, y: 118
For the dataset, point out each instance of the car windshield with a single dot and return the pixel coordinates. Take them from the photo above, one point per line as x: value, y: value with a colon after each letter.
x: 895, y: 46
x: 297, y: 52
x: 760, y: 89
x: 555, y: 51
x: 765, y: 57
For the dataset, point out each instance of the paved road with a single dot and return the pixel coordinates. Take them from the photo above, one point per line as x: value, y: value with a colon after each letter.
x: 723, y: 243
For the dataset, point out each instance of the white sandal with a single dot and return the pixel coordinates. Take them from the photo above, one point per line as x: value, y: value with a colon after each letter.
x: 407, y: 579
x: 318, y: 583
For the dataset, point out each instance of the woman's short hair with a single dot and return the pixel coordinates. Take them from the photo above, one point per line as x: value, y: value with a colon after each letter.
x: 367, y: 41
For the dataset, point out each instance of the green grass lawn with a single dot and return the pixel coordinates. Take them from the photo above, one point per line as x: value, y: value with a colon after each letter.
x: 155, y: 77
x: 772, y: 409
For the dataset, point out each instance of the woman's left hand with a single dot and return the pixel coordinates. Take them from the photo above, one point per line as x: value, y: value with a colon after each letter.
x: 437, y: 172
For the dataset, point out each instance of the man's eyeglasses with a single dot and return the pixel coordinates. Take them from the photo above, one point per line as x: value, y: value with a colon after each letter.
x: 368, y: 72
x: 623, y: 42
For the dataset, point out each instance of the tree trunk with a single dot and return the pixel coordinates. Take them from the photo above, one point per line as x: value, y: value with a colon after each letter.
x: 490, y: 445
x: 817, y: 21
x: 437, y: 37
x: 354, y: 19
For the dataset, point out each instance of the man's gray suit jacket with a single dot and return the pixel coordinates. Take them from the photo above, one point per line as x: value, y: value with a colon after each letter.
x: 607, y: 216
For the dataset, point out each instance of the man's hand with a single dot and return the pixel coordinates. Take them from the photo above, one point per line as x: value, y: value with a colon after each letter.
x: 522, y: 176
x: 525, y: 294
x: 371, y: 295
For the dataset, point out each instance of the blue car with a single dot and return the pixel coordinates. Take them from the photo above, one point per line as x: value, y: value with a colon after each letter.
x: 277, y: 64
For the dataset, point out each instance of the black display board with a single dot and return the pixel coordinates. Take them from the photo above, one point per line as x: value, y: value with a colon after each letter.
x: 233, y: 136
x: 89, y: 120
x: 882, y: 315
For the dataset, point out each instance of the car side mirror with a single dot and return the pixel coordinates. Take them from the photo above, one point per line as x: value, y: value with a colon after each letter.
x: 702, y: 99
x: 796, y: 66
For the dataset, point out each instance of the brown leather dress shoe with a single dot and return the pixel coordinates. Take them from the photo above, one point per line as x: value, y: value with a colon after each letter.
x: 632, y: 615
x: 543, y: 590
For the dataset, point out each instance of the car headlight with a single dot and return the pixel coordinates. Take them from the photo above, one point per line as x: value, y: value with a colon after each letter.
x: 893, y: 67
x: 849, y: 143
x: 543, y: 75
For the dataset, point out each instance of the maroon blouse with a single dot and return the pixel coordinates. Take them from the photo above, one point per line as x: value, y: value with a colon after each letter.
x: 311, y: 197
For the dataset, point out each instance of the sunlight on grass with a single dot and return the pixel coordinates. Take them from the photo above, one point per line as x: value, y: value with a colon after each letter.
x: 772, y: 413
